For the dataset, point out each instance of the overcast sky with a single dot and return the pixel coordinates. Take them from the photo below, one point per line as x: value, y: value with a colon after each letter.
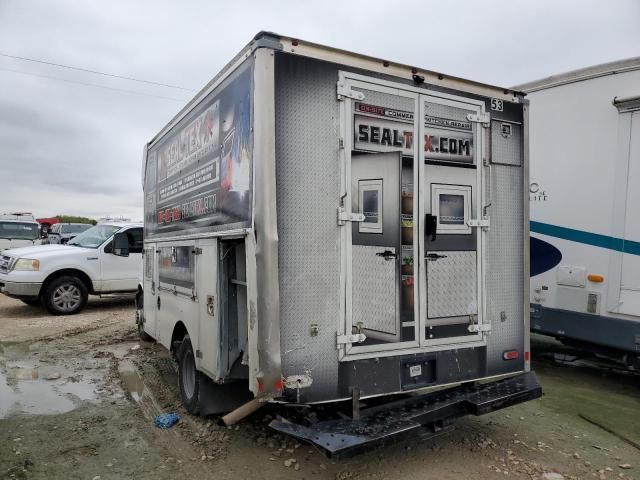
x: 76, y: 149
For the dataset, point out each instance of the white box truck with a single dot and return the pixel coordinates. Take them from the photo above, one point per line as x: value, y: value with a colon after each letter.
x: 323, y: 227
x: 585, y: 188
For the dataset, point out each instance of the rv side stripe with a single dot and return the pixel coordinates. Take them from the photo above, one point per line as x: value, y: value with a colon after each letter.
x: 588, y: 238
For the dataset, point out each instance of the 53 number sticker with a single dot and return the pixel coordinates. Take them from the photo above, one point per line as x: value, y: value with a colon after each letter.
x: 496, y: 104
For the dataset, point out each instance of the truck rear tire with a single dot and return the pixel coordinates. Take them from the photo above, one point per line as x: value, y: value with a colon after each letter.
x: 65, y: 295
x: 188, y: 377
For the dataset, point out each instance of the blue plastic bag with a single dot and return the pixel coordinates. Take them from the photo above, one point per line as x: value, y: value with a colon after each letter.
x: 166, y: 420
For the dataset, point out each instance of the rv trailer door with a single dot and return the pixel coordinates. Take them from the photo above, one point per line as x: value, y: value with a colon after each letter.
x: 629, y: 300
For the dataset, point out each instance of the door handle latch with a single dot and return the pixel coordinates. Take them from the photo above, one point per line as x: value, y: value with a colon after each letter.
x: 211, y: 305
x: 482, y: 223
x: 430, y: 226
x: 432, y: 257
x: 387, y: 254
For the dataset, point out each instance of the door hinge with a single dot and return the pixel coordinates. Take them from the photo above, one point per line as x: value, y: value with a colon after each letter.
x: 483, y: 118
x: 344, y: 216
x: 197, y: 251
x: 482, y: 223
x: 480, y: 327
x: 345, y: 91
x: 353, y: 338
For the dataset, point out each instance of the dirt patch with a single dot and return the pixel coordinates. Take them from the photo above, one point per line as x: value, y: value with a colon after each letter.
x: 20, y: 322
x: 104, y: 430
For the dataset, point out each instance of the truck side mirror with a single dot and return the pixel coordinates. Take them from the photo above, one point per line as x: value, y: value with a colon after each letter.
x: 121, y: 244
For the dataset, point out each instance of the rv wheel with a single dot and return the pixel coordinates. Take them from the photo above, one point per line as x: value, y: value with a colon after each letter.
x: 188, y: 377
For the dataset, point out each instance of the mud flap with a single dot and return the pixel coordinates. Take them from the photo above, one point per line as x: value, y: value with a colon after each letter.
x: 216, y: 398
x: 421, y: 415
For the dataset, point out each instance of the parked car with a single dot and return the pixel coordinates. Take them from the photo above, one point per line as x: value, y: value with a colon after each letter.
x: 61, y: 277
x: 63, y: 232
x: 18, y: 230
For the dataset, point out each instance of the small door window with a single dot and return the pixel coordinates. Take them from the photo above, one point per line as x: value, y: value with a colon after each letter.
x: 176, y: 266
x: 370, y: 200
x: 451, y: 206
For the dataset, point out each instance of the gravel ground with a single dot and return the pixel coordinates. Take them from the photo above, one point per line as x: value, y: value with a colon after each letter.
x: 76, y: 394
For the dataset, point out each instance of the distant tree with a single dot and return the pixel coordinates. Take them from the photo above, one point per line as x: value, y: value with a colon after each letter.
x: 75, y: 219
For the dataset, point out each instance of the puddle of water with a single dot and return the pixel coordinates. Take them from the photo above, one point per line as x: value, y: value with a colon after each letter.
x: 25, y: 390
x: 134, y: 384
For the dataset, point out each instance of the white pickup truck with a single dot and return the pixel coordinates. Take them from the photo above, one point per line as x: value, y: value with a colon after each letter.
x: 61, y: 277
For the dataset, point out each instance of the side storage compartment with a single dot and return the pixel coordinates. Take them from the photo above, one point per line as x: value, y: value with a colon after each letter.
x: 222, y: 332
x: 233, y: 309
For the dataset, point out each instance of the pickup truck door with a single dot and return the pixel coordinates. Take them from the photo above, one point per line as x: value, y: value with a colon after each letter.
x: 121, y: 273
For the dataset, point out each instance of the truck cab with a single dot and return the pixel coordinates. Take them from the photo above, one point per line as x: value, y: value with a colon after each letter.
x: 18, y: 230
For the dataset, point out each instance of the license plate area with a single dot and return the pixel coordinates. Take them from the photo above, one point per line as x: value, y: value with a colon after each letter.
x: 418, y: 372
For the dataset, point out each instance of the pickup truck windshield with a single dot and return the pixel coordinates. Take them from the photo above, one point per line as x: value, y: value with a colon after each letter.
x: 94, y: 237
x: 17, y: 230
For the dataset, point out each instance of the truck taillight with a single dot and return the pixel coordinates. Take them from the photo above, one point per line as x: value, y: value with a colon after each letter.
x: 510, y: 355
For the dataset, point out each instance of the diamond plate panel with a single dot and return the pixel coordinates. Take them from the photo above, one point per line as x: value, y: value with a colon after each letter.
x: 308, y: 190
x: 506, y: 149
x: 505, y: 266
x: 452, y: 285
x: 375, y: 287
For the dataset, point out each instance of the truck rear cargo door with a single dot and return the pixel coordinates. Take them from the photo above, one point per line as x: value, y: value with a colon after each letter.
x: 451, y: 240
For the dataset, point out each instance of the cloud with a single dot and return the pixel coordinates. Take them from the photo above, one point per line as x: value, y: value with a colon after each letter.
x: 71, y: 148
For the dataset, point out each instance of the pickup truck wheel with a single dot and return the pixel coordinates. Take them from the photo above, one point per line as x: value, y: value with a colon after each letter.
x: 65, y: 295
x: 188, y: 377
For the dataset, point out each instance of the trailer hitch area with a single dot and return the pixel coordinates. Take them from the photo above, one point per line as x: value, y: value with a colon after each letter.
x: 416, y: 416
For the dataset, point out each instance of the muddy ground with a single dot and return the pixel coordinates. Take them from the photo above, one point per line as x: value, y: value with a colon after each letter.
x: 77, y: 394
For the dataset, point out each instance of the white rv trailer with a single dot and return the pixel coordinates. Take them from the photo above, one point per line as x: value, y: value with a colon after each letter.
x: 584, y: 198
x: 302, y: 245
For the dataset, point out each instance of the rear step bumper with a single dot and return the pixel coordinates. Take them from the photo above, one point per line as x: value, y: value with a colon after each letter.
x: 423, y: 415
